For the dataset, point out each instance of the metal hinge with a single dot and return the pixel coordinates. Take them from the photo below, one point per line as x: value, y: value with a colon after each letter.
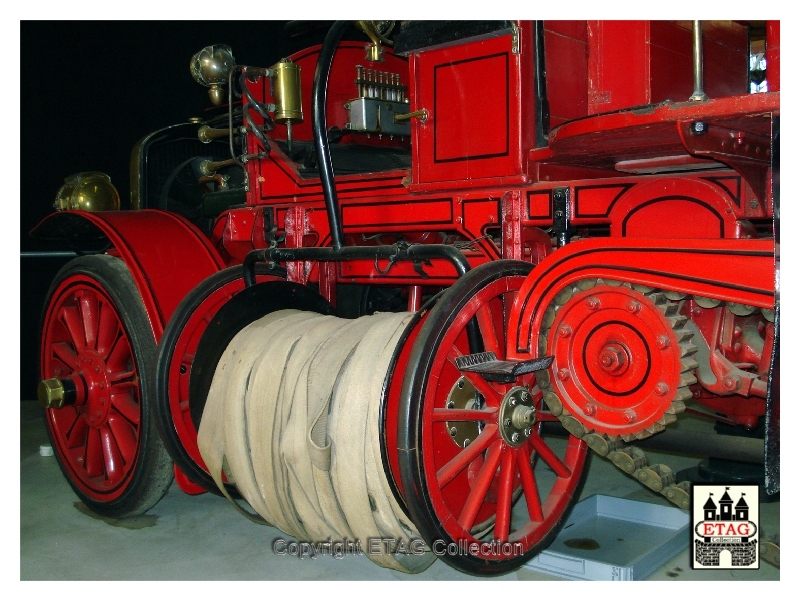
x: 514, y: 38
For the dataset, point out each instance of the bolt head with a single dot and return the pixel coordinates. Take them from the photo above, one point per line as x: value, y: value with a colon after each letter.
x: 563, y: 374
x: 513, y: 401
x: 593, y: 303
x: 662, y: 342
x: 453, y: 431
x: 565, y: 331
x: 699, y: 127
x: 528, y: 431
x: 507, y: 422
x: 630, y: 416
x: 662, y: 389
x: 590, y: 410
x: 515, y: 437
x: 634, y: 307
x: 730, y: 382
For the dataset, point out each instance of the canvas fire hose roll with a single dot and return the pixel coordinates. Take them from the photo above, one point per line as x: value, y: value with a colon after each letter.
x: 292, y: 420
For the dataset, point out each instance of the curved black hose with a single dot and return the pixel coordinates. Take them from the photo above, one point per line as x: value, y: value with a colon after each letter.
x: 319, y: 121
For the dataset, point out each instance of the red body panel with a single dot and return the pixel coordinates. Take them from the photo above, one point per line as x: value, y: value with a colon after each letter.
x: 645, y: 62
x: 475, y: 94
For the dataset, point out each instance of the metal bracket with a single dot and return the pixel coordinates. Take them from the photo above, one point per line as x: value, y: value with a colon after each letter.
x: 746, y: 152
x: 561, y: 215
x: 419, y: 270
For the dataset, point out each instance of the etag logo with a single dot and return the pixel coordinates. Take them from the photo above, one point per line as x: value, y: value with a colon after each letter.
x: 725, y: 532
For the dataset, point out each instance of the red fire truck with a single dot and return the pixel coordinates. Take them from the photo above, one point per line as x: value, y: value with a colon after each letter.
x: 572, y: 227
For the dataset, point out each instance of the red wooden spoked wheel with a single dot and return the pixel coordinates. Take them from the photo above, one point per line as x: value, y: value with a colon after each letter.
x: 98, y: 348
x: 470, y: 448
x: 197, y: 334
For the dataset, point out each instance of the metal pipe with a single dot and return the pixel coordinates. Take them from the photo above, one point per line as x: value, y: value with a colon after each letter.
x: 48, y: 254
x: 395, y: 253
x: 697, y: 56
x: 414, y: 298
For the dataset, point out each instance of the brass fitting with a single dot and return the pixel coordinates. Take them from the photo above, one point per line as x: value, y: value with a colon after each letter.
x: 51, y: 393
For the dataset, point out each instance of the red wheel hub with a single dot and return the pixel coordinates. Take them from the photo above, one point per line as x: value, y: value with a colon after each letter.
x: 97, y: 437
x: 617, y: 360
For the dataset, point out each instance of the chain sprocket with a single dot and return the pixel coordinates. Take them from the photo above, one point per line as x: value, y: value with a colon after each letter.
x: 635, y: 400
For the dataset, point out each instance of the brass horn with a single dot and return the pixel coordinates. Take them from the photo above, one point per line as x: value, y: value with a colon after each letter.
x: 209, y: 167
x: 205, y: 134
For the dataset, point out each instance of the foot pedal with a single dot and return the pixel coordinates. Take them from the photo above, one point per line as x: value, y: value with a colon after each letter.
x: 487, y: 366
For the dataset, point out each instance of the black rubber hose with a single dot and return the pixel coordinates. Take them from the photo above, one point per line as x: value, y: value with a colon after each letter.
x: 319, y: 121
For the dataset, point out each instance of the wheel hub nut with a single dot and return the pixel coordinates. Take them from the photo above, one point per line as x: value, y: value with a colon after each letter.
x: 613, y: 359
x: 523, y: 416
x: 51, y: 393
x: 517, y: 416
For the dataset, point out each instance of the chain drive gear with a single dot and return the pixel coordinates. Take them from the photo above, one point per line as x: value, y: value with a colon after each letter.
x: 632, y: 460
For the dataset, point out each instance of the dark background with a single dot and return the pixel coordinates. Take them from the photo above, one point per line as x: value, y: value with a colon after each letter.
x: 89, y: 91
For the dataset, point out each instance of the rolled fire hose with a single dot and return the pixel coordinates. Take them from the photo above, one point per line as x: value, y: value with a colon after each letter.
x: 292, y: 420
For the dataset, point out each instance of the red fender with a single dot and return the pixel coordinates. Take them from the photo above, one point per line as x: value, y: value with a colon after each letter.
x: 740, y: 271
x: 166, y: 255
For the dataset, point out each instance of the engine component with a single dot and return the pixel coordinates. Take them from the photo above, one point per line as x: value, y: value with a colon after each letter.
x: 381, y: 96
x: 90, y: 191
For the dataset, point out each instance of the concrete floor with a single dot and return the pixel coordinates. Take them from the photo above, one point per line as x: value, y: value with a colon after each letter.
x: 202, y: 538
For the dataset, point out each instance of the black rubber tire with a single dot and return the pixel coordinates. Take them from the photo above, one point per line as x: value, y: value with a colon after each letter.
x: 153, y: 471
x: 425, y: 349
x: 241, y: 310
